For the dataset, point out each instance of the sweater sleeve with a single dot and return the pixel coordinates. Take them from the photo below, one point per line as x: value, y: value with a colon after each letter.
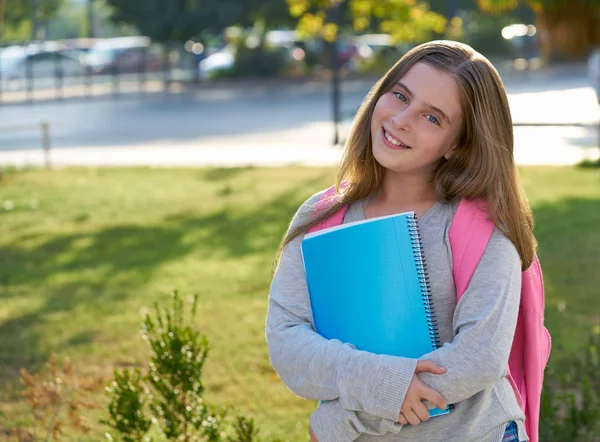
x: 317, y: 368
x: 484, y: 325
x: 332, y: 423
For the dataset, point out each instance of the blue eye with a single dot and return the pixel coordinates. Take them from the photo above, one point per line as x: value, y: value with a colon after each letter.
x: 401, y: 96
x: 433, y: 119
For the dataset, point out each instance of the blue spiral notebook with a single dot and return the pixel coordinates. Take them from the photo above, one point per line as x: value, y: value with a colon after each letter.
x: 368, y: 286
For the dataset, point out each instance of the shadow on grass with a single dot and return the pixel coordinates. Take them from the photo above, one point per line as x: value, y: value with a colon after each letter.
x: 231, y: 234
x: 222, y: 173
x: 568, y: 232
x: 97, y: 271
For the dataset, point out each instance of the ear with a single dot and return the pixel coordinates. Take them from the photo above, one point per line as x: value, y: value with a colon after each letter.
x: 448, y: 154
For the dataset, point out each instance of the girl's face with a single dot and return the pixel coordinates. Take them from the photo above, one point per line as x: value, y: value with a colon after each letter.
x: 417, y: 122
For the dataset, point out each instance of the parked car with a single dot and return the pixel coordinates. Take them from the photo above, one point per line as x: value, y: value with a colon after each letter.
x: 222, y: 60
x: 123, y: 55
x: 45, y: 61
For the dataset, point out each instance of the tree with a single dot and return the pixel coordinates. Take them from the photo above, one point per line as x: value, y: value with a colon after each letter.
x: 570, y: 27
x: 176, y: 20
x: 404, y: 20
x: 272, y: 13
x: 20, y: 19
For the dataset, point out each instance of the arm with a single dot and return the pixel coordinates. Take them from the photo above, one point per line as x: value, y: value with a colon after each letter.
x: 316, y: 368
x: 332, y: 423
x: 484, y: 325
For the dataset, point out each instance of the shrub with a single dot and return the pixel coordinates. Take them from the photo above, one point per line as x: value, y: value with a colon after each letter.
x: 170, y: 396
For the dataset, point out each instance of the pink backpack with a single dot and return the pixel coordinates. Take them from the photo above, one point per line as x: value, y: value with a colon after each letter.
x: 469, y: 234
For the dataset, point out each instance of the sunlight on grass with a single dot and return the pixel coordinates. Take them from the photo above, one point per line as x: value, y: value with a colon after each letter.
x: 84, y: 253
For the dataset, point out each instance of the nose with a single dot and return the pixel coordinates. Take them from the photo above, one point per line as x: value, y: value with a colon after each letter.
x: 403, y: 119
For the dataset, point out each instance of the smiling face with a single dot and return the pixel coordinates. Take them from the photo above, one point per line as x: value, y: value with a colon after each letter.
x: 417, y: 122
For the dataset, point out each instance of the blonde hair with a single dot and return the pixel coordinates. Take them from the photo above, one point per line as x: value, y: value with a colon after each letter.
x: 482, y: 164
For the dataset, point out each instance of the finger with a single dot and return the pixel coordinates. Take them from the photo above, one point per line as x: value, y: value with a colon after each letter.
x: 403, y: 419
x: 313, y: 438
x: 434, y: 397
x: 421, y: 411
x: 412, y: 418
x: 429, y: 366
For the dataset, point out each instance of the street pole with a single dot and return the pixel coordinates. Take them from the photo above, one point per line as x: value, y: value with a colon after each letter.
x: 90, y: 18
x: 335, y: 65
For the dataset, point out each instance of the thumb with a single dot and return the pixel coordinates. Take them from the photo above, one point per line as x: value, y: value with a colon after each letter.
x: 430, y: 366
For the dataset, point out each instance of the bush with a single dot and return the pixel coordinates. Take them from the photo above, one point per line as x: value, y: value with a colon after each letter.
x: 259, y: 62
x: 57, y: 396
x: 170, y: 396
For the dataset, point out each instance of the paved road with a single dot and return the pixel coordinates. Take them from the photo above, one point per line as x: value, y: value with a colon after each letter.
x: 276, y: 123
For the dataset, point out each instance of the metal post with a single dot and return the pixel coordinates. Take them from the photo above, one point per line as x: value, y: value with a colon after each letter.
x: 335, y: 64
x: 29, y: 76
x: 115, y: 75
x: 87, y: 73
x: 142, y: 74
x: 46, y: 143
x: 90, y: 18
x: 167, y: 66
x: 58, y: 77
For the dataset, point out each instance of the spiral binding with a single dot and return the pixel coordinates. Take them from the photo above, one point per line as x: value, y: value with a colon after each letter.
x: 417, y: 246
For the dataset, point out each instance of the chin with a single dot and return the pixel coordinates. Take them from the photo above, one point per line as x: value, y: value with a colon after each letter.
x: 385, y: 157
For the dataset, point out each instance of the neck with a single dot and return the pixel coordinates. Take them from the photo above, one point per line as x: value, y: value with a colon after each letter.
x: 402, y: 189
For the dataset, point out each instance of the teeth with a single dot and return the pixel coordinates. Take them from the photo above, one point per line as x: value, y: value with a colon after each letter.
x: 392, y: 140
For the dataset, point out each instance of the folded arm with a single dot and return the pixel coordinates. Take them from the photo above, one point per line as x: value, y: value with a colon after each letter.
x: 484, y: 325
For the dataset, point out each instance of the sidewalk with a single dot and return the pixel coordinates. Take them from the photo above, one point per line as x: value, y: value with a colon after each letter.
x: 553, y: 146
x: 305, y: 144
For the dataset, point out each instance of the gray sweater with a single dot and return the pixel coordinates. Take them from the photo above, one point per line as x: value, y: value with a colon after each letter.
x: 363, y: 392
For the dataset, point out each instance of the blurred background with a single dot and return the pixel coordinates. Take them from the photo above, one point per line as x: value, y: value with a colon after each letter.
x: 179, y: 73
x: 152, y: 146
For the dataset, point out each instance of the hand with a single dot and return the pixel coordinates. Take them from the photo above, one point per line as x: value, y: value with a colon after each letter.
x: 313, y: 438
x: 413, y: 410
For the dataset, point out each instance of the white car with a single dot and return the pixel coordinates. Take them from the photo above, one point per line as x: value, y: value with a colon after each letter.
x: 222, y: 60
x: 124, y: 55
x: 15, y: 61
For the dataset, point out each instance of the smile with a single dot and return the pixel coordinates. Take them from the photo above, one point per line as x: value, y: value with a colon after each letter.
x: 393, y: 141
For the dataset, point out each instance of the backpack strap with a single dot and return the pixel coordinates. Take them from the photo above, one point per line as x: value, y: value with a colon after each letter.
x: 469, y: 234
x: 327, y: 199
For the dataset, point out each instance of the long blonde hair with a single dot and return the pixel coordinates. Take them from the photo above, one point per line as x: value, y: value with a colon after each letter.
x: 482, y: 164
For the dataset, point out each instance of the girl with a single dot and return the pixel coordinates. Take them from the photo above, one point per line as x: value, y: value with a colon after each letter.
x: 436, y: 128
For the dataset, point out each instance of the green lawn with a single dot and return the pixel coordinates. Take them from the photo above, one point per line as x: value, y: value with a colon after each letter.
x: 84, y: 253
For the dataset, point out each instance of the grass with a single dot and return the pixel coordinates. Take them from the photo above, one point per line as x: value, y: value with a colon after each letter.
x: 85, y: 252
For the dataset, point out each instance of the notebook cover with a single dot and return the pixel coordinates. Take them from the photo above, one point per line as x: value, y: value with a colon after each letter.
x: 367, y: 287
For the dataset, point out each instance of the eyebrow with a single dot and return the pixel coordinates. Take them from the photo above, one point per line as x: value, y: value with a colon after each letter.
x: 429, y: 106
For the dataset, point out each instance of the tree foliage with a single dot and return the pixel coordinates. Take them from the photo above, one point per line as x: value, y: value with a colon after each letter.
x: 569, y: 27
x: 180, y: 20
x: 176, y: 20
x: 404, y: 20
x: 16, y: 16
